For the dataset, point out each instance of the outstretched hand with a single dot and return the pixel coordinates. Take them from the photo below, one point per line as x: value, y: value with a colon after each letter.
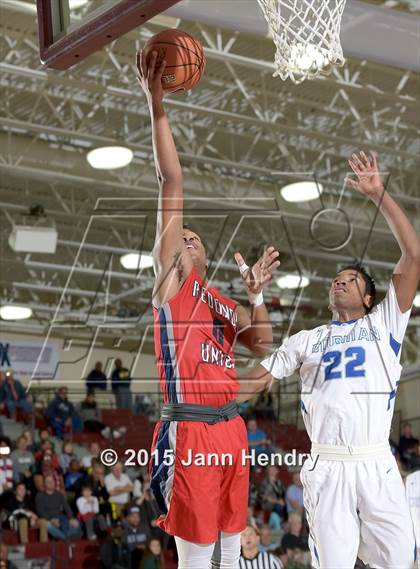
x: 150, y: 75
x: 261, y: 272
x: 368, y: 180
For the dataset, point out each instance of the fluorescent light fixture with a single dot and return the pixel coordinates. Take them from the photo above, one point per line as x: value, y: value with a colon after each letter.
x: 136, y: 261
x: 301, y: 191
x: 75, y: 4
x: 15, y: 312
x: 416, y: 300
x: 292, y: 281
x: 109, y: 157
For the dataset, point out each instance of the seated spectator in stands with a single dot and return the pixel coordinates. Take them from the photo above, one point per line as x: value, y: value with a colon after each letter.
x: 88, y: 513
x: 66, y: 456
x: 91, y: 416
x: 96, y: 481
x: 143, y: 405
x: 53, y: 507
x: 14, y: 395
x: 407, y: 440
x: 44, y: 435
x: 257, y: 438
x: 264, y: 406
x: 94, y: 452
x: 266, y: 540
x: 21, y: 515
x: 47, y: 464
x: 2, y: 380
x: 291, y: 559
x: 6, y: 465
x: 23, y: 460
x: 149, y: 510
x: 96, y: 379
x: 114, y: 552
x: 73, y: 475
x: 120, y: 382
x: 293, y: 539
x: 61, y: 414
x: 413, y: 458
x: 5, y: 563
x: 119, y: 487
x: 272, y: 498
x: 294, y: 494
x: 251, y: 556
x: 153, y: 555
x: 251, y: 520
x: 136, y: 535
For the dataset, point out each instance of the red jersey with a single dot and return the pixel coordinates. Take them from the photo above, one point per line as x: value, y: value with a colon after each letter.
x: 194, y: 334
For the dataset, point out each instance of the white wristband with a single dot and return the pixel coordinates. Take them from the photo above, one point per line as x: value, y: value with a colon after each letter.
x: 255, y: 299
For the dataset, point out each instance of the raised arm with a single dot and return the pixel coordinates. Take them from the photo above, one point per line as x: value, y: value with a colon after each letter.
x: 254, y: 328
x: 407, y: 271
x: 171, y: 263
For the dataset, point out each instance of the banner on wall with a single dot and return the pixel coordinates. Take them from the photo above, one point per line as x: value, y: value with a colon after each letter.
x: 22, y: 356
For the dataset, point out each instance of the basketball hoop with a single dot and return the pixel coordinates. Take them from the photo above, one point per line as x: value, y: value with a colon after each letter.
x: 306, y: 34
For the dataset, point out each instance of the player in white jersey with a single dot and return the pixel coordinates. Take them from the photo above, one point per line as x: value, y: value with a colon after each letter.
x: 353, y: 492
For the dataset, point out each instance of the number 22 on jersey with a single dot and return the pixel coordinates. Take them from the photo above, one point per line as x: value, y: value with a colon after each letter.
x: 351, y: 362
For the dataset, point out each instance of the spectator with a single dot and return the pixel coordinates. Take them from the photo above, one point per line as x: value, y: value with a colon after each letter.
x: 264, y: 406
x: 49, y: 466
x: 6, y: 465
x: 293, y: 539
x: 266, y: 540
x: 120, y: 381
x: 153, y: 556
x: 14, y: 395
x: 272, y: 498
x: 119, y: 487
x: 67, y: 455
x: 96, y: 379
x: 250, y: 518
x: 114, y: 552
x: 136, y: 534
x: 257, y: 438
x: 94, y: 452
x: 5, y: 563
x: 143, y: 405
x: 73, y: 475
x: 96, y: 481
x: 407, y: 441
x: 53, y: 507
x: 2, y: 380
x: 21, y: 515
x: 88, y: 513
x: 44, y: 435
x: 23, y: 460
x: 413, y: 458
x: 291, y: 559
x: 294, y: 495
x: 90, y: 415
x: 61, y: 414
x: 149, y: 510
x: 251, y: 557
x: 27, y: 433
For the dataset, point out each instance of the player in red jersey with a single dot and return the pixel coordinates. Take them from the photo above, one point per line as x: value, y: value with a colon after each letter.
x: 197, y: 472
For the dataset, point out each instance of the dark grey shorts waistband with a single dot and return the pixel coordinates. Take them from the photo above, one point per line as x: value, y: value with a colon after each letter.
x: 199, y: 413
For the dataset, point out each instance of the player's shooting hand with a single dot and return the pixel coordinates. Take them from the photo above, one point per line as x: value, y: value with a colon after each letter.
x: 368, y: 180
x: 150, y: 75
x: 261, y: 272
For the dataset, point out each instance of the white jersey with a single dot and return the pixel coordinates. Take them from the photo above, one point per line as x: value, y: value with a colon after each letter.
x: 349, y: 372
x: 412, y: 485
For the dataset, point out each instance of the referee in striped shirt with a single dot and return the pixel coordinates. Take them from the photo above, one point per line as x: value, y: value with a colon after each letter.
x: 250, y: 557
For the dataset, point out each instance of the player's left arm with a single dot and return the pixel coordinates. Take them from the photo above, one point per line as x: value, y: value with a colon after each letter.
x: 254, y: 328
x: 406, y: 274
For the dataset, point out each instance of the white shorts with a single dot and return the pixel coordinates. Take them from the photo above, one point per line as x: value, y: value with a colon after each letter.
x: 357, y: 508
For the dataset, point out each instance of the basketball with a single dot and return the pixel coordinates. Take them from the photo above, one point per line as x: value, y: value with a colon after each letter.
x: 184, y: 56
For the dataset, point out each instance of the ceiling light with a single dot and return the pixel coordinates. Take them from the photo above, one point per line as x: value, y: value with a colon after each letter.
x: 301, y: 191
x: 292, y: 281
x: 416, y: 300
x: 136, y: 261
x: 75, y: 4
x: 109, y: 157
x: 14, y: 312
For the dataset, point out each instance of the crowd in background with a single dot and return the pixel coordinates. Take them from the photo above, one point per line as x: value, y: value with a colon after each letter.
x: 45, y: 486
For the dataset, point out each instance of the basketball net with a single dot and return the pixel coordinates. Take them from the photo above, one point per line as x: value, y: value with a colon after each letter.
x: 306, y: 34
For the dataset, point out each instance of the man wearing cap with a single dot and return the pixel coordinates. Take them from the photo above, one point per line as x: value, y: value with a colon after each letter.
x: 136, y: 534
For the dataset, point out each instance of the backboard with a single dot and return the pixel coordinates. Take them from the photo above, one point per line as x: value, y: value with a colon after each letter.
x: 64, y: 40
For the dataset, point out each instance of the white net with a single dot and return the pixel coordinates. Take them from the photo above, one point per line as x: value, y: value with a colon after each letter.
x: 306, y: 34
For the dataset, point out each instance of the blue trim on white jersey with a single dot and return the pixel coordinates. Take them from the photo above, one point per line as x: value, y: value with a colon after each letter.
x: 338, y: 323
x: 392, y: 395
x: 302, y: 406
x: 396, y: 346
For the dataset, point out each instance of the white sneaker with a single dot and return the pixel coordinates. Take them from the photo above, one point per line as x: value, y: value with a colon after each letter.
x: 106, y: 433
x: 122, y: 430
x: 116, y: 434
